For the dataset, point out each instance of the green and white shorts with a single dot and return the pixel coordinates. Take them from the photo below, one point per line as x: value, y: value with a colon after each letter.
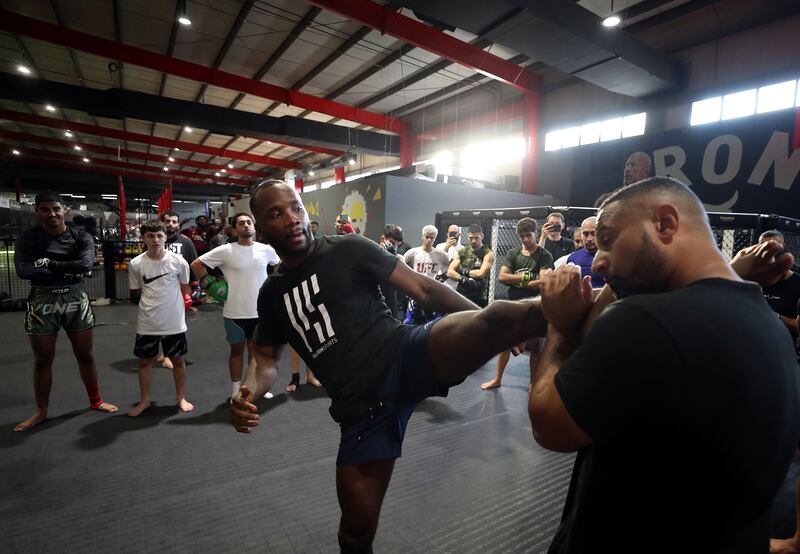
x: 50, y: 309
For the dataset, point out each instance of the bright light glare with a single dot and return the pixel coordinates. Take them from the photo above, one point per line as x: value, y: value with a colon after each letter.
x: 49, y: 108
x: 86, y: 160
x: 171, y: 159
x: 187, y: 129
x: 24, y: 69
x: 183, y: 20
x: 216, y: 174
x: 230, y: 166
x: 776, y: 97
x: 15, y: 152
x: 633, y: 125
x: 552, y: 141
x: 612, y: 21
x: 611, y: 129
x: 706, y: 111
x: 590, y: 133
x: 739, y: 104
x: 68, y: 133
x: 443, y: 162
x: 570, y: 137
x: 78, y: 148
x: 309, y: 188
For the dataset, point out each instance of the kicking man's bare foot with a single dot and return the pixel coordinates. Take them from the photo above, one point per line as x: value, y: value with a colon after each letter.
x: 139, y: 408
x: 32, y: 421
x: 166, y: 362
x: 105, y: 407
x: 185, y: 406
x: 785, y: 546
x: 493, y: 384
x: 311, y: 380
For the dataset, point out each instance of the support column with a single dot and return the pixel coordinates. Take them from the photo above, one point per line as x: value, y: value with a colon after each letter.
x: 339, y: 173
x: 123, y: 228
x: 408, y: 147
x: 298, y: 185
x: 531, y: 102
x: 18, y: 184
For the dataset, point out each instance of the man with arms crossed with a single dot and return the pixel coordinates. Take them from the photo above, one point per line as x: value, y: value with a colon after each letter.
x: 161, y: 280
x: 244, y: 264
x: 681, y: 400
x: 55, y: 258
x: 325, y: 302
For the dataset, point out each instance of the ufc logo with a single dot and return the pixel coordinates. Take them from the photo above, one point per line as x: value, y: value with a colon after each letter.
x: 305, y: 315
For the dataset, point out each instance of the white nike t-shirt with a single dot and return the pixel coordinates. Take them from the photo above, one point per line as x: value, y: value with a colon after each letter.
x: 161, y: 309
x: 245, y: 269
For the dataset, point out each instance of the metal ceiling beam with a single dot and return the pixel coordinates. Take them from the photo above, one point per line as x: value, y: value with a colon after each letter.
x: 79, y: 167
x: 118, y: 37
x: 136, y: 137
x: 85, y: 42
x: 424, y: 36
x: 78, y: 158
x: 179, y: 162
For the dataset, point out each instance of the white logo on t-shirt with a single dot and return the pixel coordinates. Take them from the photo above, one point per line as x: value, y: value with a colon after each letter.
x: 300, y: 306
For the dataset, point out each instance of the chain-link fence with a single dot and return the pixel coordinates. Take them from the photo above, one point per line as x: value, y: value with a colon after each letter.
x: 109, y: 277
x: 731, y: 231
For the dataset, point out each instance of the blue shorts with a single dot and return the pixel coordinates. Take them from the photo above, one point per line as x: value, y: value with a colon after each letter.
x: 379, y: 434
x: 239, y: 330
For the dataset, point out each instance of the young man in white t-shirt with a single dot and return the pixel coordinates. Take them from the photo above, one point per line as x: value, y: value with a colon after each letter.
x: 244, y: 264
x: 430, y: 262
x: 161, y: 279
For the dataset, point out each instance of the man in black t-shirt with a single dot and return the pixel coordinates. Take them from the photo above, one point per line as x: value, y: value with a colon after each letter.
x: 55, y: 258
x: 520, y: 271
x: 325, y: 301
x: 552, y: 239
x: 681, y: 400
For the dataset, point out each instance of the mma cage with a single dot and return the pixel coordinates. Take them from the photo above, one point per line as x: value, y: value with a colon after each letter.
x: 733, y: 231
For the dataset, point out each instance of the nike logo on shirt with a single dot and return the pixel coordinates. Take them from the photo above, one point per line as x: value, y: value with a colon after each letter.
x: 151, y: 279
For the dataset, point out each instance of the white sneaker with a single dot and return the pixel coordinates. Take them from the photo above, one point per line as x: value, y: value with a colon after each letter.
x: 269, y: 396
x: 101, y: 302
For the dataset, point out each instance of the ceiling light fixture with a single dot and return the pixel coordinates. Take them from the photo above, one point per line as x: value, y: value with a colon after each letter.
x: 311, y: 173
x: 171, y: 159
x: 76, y: 147
x: 166, y: 168
x: 216, y: 174
x: 612, y: 21
x: 177, y: 149
x: 24, y: 69
x: 183, y: 15
x: 352, y: 160
x: 15, y: 152
x: 188, y: 130
x: 222, y: 170
x: 86, y: 160
x: 50, y: 108
x: 230, y: 166
x: 68, y: 133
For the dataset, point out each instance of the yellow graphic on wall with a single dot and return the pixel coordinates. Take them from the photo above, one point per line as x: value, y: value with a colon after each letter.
x: 356, y: 207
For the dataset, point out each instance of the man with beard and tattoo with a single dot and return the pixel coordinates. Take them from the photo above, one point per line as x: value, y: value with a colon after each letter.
x: 55, y: 258
x: 584, y: 257
x: 324, y: 300
x: 244, y: 264
x: 682, y: 398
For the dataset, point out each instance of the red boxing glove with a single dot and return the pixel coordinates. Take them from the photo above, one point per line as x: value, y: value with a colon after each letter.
x: 187, y: 301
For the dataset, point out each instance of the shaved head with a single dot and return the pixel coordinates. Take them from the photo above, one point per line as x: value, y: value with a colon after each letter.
x: 644, y: 195
x: 637, y: 167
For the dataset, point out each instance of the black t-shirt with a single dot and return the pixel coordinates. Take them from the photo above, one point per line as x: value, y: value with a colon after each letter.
x: 784, y: 295
x: 331, y: 311
x: 181, y: 245
x: 560, y: 247
x: 71, y: 256
x: 519, y: 263
x: 691, y: 400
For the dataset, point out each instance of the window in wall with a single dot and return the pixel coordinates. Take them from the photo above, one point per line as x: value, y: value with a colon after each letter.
x: 739, y: 104
x: 633, y: 125
x: 596, y: 131
x: 776, y: 97
x: 706, y: 111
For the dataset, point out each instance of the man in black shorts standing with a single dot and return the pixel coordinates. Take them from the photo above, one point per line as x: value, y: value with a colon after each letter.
x: 55, y: 258
x: 324, y: 300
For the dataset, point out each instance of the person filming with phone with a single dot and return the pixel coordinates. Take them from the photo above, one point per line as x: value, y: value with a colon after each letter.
x: 452, y: 243
x: 551, y: 239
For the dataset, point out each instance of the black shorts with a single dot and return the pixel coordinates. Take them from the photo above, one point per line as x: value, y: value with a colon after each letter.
x: 174, y: 346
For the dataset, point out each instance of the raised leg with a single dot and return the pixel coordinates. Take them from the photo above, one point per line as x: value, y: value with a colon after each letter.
x: 361, y: 489
x: 462, y: 342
